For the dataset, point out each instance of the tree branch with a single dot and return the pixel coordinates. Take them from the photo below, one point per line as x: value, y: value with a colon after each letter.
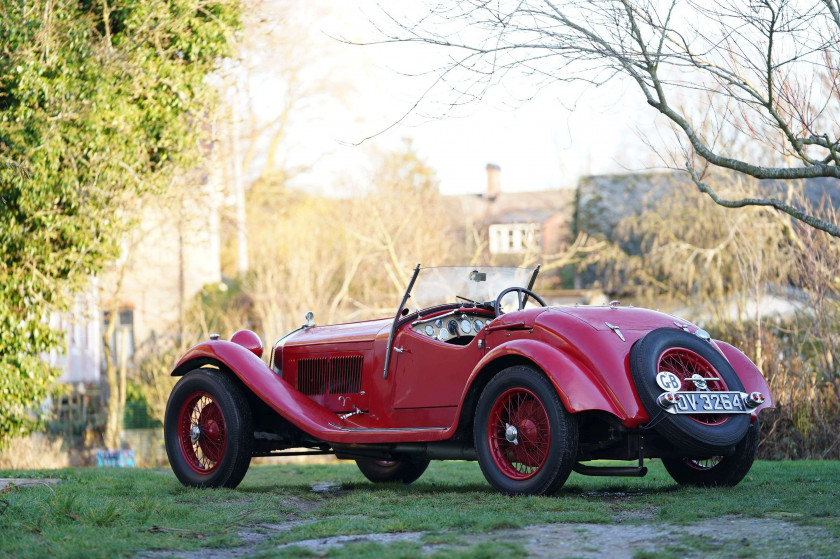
x: 796, y: 213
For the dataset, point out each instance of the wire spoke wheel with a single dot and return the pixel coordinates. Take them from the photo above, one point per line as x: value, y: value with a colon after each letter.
x: 526, y: 442
x: 405, y: 470
x: 705, y: 464
x: 519, y: 433
x: 208, y: 429
x: 686, y: 364
x: 201, y: 432
x: 726, y: 470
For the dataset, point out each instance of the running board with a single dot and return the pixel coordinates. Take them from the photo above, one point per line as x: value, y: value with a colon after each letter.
x: 622, y: 471
x: 387, y: 429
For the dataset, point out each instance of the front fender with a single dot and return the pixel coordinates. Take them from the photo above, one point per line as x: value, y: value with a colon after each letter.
x: 301, y: 411
x: 291, y: 404
x: 750, y: 376
x: 234, y: 356
x: 578, y: 388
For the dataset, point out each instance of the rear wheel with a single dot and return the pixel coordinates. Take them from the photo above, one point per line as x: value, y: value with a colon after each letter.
x: 405, y: 470
x: 208, y: 430
x: 716, y: 470
x: 525, y: 439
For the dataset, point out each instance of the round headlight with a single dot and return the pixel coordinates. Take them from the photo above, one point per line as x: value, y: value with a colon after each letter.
x: 249, y: 341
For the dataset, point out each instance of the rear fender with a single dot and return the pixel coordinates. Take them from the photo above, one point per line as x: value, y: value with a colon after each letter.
x: 578, y: 388
x: 750, y: 376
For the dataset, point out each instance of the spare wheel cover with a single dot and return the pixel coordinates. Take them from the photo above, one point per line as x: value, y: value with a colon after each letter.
x: 684, y: 354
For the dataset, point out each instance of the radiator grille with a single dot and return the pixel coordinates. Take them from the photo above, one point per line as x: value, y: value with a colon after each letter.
x: 329, y: 375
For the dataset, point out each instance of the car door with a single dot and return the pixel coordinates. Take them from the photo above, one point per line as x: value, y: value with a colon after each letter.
x: 430, y: 373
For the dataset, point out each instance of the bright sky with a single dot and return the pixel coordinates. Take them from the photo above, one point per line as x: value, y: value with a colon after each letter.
x: 546, y: 142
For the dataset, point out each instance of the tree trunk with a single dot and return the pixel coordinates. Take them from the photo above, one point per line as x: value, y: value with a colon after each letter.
x: 239, y: 192
x: 124, y: 333
x: 112, y: 423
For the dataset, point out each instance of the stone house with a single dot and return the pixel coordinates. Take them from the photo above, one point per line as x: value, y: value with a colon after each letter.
x: 515, y: 225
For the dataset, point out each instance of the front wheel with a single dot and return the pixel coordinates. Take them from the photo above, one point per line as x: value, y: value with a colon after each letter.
x: 525, y: 439
x: 716, y: 470
x: 406, y: 470
x: 208, y: 430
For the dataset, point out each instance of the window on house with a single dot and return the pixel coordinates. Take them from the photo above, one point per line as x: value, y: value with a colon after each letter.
x: 514, y: 238
x: 122, y: 338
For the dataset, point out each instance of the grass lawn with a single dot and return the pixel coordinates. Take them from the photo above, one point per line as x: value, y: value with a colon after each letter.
x: 449, y: 512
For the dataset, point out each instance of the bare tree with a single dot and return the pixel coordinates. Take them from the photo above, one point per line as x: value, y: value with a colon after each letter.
x: 349, y: 258
x: 764, y: 74
x: 281, y: 56
x: 717, y: 264
x: 276, y: 84
x: 816, y: 265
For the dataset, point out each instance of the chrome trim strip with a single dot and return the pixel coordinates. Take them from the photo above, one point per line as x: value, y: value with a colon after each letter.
x: 617, y: 331
x: 459, y: 310
x: 388, y: 430
x: 282, y: 341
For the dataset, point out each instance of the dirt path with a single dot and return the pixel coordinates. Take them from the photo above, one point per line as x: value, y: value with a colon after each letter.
x: 723, y: 537
x: 6, y: 483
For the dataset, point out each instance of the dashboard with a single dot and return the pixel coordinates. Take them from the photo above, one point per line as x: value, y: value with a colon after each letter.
x: 453, y: 327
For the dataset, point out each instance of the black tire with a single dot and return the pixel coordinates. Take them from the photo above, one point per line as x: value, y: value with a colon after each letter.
x: 690, y: 435
x: 208, y: 430
x: 716, y: 470
x: 405, y: 470
x: 537, y: 456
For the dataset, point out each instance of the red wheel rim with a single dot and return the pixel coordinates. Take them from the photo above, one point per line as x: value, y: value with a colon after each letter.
x: 685, y: 363
x: 202, y: 435
x: 519, y: 453
x: 703, y: 465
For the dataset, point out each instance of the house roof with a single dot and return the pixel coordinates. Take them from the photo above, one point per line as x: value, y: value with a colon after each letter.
x: 605, y: 200
x: 517, y: 207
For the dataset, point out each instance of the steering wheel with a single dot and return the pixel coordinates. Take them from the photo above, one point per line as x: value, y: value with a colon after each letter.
x: 520, y: 291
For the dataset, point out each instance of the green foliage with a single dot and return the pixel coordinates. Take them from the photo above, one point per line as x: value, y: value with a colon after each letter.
x: 137, y: 414
x: 99, y: 102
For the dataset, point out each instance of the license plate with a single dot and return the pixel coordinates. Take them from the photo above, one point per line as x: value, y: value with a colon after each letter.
x: 710, y: 402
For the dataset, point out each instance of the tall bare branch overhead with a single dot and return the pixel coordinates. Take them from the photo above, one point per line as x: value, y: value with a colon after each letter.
x: 768, y: 70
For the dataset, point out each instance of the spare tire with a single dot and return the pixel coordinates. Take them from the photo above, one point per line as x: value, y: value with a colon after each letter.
x: 681, y: 353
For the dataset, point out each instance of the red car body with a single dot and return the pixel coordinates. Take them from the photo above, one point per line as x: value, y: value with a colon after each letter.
x: 335, y: 389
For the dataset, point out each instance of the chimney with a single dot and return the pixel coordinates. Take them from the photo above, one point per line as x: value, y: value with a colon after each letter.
x: 494, y: 181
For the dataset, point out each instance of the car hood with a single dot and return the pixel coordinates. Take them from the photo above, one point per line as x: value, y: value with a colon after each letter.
x: 358, y: 332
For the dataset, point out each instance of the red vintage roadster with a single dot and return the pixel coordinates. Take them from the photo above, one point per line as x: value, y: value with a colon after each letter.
x: 473, y: 366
